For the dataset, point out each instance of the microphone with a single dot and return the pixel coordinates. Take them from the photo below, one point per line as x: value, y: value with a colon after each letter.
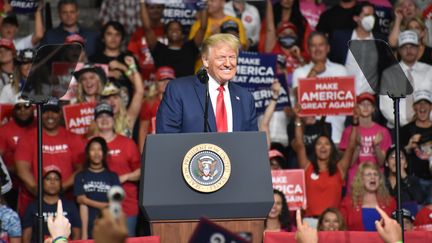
x: 203, y: 77
x: 115, y: 196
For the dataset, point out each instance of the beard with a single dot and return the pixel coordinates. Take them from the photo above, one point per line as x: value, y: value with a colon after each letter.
x: 24, y: 123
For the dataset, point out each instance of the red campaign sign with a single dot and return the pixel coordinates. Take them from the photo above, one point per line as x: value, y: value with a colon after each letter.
x: 78, y: 117
x: 5, y: 113
x: 292, y: 184
x: 326, y: 96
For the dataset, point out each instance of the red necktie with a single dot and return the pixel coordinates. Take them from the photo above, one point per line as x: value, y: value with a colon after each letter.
x: 221, y: 114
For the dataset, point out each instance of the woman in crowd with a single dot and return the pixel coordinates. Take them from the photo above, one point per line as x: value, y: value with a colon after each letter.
x: 325, y: 172
x: 90, y: 83
x: 367, y: 192
x: 285, y: 38
x: 125, y: 117
x: 404, y: 10
x: 287, y: 11
x: 93, y: 183
x: 278, y: 218
x: 411, y: 192
x: 11, y: 91
x: 151, y: 103
x: 124, y: 160
x: 331, y: 220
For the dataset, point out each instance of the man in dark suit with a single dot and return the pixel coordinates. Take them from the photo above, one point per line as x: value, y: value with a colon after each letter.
x: 230, y: 108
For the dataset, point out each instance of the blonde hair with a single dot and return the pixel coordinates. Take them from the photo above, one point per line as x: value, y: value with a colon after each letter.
x: 358, y: 189
x: 81, y: 96
x: 216, y: 39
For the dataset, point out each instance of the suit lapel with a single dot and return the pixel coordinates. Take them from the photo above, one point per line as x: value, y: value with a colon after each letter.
x: 200, y: 91
x: 236, y: 107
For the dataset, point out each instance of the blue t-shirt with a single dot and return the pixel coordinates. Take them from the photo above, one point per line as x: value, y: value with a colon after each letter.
x: 369, y: 215
x: 95, y: 186
x: 10, y: 222
x: 70, y: 211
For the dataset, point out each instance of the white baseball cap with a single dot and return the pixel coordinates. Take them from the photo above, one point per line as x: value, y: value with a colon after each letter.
x: 408, y: 37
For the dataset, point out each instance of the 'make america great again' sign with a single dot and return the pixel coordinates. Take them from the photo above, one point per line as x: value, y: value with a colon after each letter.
x: 326, y: 96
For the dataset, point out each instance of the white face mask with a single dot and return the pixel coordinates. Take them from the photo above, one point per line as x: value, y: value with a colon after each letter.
x: 368, y: 23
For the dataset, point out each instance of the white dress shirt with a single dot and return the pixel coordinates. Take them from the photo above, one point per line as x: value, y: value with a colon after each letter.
x: 213, y: 90
x: 422, y: 80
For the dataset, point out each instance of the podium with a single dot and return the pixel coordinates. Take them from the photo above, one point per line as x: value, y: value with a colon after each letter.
x: 222, y: 176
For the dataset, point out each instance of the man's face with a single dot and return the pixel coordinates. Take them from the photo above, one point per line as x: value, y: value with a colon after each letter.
x: 408, y: 53
x: 8, y: 31
x: 112, y: 38
x: 23, y: 112
x: 318, y: 49
x: 366, y: 108
x: 6, y: 55
x: 51, y: 120
x: 68, y: 14
x: 155, y: 11
x: 52, y: 184
x: 221, y: 62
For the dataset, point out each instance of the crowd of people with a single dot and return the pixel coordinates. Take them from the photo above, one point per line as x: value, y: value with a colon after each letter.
x: 348, y: 161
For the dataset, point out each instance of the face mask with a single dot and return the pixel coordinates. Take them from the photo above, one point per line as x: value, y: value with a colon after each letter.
x: 368, y: 23
x: 287, y: 41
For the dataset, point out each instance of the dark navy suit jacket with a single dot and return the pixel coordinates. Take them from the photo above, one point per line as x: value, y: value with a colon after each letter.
x: 182, y: 108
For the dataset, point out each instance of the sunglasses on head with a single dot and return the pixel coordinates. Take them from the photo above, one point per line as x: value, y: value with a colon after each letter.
x: 21, y: 106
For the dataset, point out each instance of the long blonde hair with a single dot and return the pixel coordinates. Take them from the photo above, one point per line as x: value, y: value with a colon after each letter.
x: 358, y: 189
x: 81, y: 96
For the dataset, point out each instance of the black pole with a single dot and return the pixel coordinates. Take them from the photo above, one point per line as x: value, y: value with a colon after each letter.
x: 40, y: 219
x: 398, y: 168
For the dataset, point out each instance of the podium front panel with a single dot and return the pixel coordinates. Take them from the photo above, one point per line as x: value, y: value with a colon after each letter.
x: 165, y: 195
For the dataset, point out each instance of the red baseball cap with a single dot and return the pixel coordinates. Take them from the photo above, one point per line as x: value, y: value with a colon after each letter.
x: 7, y: 43
x: 274, y: 153
x: 165, y: 72
x: 366, y: 96
x: 286, y: 25
x: 75, y: 38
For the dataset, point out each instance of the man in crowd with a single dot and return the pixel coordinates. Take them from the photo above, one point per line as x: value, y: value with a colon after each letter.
x: 231, y: 108
x: 418, y: 74
x: 22, y: 121
x: 320, y: 66
x: 339, y: 53
x: 60, y: 148
x: 68, y: 13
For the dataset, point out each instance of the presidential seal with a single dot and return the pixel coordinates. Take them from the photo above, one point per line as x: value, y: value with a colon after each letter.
x: 206, y: 167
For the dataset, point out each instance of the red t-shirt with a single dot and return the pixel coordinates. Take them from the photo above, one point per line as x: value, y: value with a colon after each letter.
x: 10, y: 133
x: 322, y: 191
x: 423, y: 217
x: 124, y: 157
x: 138, y: 46
x: 62, y: 150
x: 148, y: 112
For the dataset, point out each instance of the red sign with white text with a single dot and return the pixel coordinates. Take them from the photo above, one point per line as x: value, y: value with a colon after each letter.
x: 326, y: 96
x: 78, y: 117
x: 292, y: 184
x: 5, y: 113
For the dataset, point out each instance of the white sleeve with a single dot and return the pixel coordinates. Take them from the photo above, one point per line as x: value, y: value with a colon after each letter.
x: 24, y: 43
